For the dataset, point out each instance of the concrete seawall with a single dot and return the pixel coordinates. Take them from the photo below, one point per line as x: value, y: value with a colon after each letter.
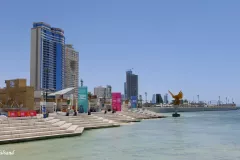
x: 189, y: 109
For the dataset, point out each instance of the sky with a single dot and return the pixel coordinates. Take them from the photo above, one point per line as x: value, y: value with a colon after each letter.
x: 188, y: 45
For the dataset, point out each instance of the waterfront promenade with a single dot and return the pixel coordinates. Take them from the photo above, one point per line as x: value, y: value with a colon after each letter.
x: 21, y: 129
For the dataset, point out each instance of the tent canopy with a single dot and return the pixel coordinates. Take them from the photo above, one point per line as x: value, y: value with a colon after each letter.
x: 62, y: 92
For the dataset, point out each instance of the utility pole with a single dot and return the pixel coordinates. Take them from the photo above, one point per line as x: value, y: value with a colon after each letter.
x: 140, y: 98
x: 219, y: 101
x: 104, y: 98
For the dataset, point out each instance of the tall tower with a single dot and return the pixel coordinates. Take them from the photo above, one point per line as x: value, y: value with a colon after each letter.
x: 71, y: 68
x: 131, y: 84
x: 166, y: 98
x: 47, y: 57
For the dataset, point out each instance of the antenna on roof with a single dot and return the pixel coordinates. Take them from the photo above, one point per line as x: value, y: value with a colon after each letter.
x: 81, y: 82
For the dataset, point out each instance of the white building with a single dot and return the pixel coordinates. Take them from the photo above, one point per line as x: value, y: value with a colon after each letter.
x: 100, y: 91
x: 71, y: 68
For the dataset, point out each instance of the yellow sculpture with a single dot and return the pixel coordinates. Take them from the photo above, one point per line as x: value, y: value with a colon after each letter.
x: 177, y: 97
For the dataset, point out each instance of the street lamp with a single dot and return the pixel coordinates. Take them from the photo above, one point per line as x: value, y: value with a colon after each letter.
x: 46, y: 83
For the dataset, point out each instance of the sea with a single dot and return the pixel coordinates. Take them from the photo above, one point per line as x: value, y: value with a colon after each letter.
x: 193, y: 136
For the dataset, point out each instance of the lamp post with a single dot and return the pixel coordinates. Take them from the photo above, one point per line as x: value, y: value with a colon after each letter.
x: 46, y: 83
x: 146, y: 96
x: 219, y: 101
x: 81, y: 82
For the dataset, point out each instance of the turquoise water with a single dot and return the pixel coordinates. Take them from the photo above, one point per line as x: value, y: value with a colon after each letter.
x: 194, y: 136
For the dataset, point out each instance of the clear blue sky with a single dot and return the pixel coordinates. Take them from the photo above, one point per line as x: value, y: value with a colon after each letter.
x: 188, y: 45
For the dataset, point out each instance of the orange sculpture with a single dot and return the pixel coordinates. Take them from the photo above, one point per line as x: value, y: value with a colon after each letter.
x: 177, y: 97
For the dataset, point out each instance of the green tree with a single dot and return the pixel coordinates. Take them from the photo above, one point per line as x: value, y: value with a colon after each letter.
x: 89, y: 95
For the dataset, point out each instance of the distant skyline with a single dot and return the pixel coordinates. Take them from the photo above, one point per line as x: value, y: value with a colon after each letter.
x: 173, y: 45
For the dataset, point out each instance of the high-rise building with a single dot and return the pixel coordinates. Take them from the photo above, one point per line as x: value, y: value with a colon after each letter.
x: 166, y: 98
x: 108, y: 91
x: 154, y: 98
x: 47, y: 57
x: 131, y: 84
x: 100, y: 92
x: 157, y: 99
x: 71, y: 68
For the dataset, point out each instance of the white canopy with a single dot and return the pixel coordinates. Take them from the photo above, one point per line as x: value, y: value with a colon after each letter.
x: 62, y: 92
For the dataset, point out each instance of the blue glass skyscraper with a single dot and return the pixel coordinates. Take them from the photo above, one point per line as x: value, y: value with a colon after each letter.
x: 47, y: 57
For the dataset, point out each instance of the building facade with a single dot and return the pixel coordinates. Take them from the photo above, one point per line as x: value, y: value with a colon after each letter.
x: 17, y: 95
x: 131, y: 85
x: 153, y: 99
x: 108, y: 91
x: 71, y: 69
x: 47, y: 57
x: 166, y: 98
x: 100, y: 92
x: 157, y: 99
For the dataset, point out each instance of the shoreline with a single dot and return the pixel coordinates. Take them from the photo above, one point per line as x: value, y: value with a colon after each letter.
x: 190, y: 109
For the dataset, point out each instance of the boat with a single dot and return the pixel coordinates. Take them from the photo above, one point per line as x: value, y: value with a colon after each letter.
x: 175, y: 114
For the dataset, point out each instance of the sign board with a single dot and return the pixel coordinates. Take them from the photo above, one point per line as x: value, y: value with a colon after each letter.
x: 133, y: 101
x: 32, y: 113
x: 12, y: 83
x: 83, y: 99
x: 12, y: 114
x: 43, y: 109
x: 22, y: 113
x: 116, y: 101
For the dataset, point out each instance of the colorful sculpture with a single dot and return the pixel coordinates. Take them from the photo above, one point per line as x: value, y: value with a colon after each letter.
x: 177, y: 97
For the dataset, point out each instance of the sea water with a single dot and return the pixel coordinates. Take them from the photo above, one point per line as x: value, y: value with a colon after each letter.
x: 193, y: 136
